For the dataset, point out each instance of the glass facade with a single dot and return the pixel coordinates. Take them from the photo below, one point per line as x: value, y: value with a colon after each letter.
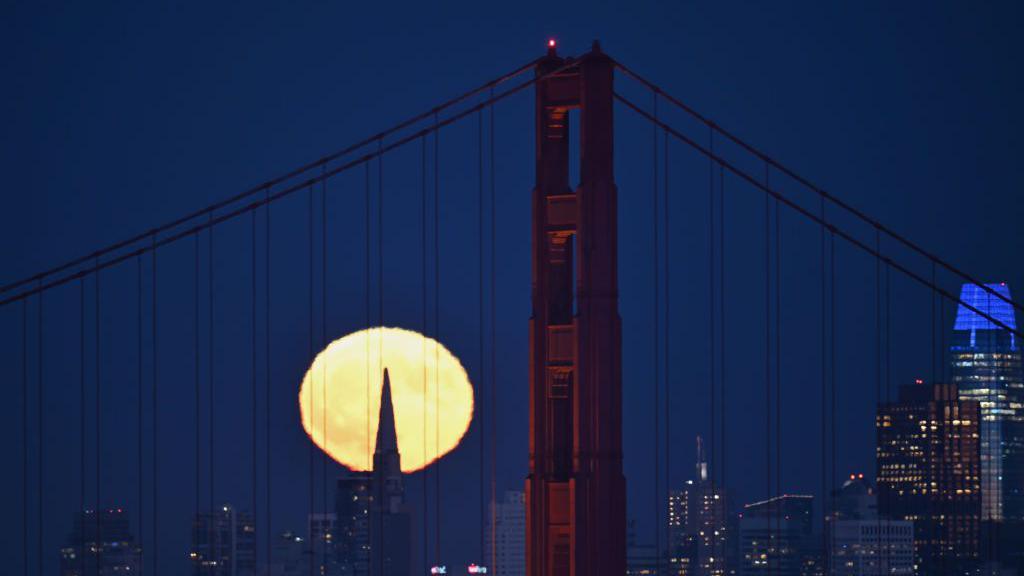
x: 986, y: 367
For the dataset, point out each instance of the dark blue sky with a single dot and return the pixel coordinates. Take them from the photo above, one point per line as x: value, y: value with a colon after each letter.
x: 119, y: 118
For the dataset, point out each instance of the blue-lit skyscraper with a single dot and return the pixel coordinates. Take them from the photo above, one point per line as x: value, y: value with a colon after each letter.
x: 986, y: 367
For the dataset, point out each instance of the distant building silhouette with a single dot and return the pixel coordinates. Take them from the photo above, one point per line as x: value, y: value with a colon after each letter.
x: 223, y: 543
x: 101, y: 544
x: 698, y: 525
x: 861, y: 543
x: 508, y: 538
x: 776, y: 537
x: 929, y: 472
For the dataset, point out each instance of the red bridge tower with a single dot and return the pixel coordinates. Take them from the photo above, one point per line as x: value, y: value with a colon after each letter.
x: 575, y: 493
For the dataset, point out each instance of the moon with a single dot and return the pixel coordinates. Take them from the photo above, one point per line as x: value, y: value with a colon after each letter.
x: 340, y: 396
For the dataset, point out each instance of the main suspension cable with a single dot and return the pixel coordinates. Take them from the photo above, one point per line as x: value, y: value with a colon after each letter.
x: 814, y: 188
x: 814, y: 218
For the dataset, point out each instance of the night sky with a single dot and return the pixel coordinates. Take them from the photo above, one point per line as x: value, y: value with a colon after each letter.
x: 120, y: 118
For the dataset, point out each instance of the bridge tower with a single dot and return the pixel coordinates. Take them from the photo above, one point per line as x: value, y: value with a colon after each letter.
x: 575, y: 493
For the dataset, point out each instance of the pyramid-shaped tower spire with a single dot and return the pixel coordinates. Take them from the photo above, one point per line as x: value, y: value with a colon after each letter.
x: 387, y: 437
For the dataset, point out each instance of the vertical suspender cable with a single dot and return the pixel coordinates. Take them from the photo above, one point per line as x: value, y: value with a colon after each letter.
x: 494, y: 354
x: 832, y: 365
x: 423, y: 324
x: 81, y: 396
x: 778, y: 356
x: 156, y: 437
x: 138, y: 269
x: 99, y: 388
x: 312, y: 454
x: 39, y: 431
x: 24, y: 435
x: 772, y: 523
x: 712, y: 311
x: 197, y: 384
x: 668, y: 324
x: 655, y: 189
x: 437, y: 331
x: 252, y: 383
x: 721, y: 332
x: 267, y: 401
x: 209, y: 360
x: 380, y: 306
x: 480, y: 319
x: 824, y: 393
x: 324, y: 461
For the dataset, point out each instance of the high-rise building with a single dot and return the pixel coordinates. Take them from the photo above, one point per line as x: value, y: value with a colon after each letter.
x: 698, y: 530
x: 223, y: 543
x: 986, y: 367
x: 508, y: 538
x: 289, y: 556
x: 101, y: 544
x: 929, y: 473
x: 776, y: 536
x: 862, y: 543
x: 322, y: 550
x: 390, y: 521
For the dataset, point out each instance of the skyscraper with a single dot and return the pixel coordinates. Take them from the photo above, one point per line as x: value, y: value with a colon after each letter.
x: 929, y: 473
x: 861, y: 543
x: 698, y: 524
x: 223, y: 543
x: 101, y: 544
x: 776, y: 536
x: 986, y: 366
x: 389, y: 520
x: 508, y: 538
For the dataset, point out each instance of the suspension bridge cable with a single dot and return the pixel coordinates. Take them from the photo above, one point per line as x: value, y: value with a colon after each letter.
x: 423, y: 324
x: 494, y: 354
x: 655, y: 189
x: 324, y: 457
x: 712, y: 310
x: 24, y: 435
x: 139, y: 407
x: 254, y: 204
x: 267, y: 401
x: 668, y: 324
x: 863, y: 246
x: 480, y: 320
x: 816, y: 189
x: 156, y: 438
x: 209, y: 363
x: 81, y: 397
x: 197, y: 383
x: 323, y: 161
x: 772, y: 522
x: 311, y: 399
x: 828, y: 522
x: 253, y: 386
x: 437, y: 332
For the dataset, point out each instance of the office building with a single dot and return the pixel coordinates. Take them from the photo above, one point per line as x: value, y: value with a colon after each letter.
x: 101, y: 544
x: 508, y: 538
x: 862, y: 543
x: 986, y: 367
x: 776, y: 537
x: 929, y: 473
x: 223, y: 543
x: 698, y: 531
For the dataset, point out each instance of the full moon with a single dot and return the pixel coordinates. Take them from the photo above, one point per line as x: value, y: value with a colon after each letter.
x: 340, y: 397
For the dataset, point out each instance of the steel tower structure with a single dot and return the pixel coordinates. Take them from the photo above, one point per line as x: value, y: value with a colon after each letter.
x: 576, y: 502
